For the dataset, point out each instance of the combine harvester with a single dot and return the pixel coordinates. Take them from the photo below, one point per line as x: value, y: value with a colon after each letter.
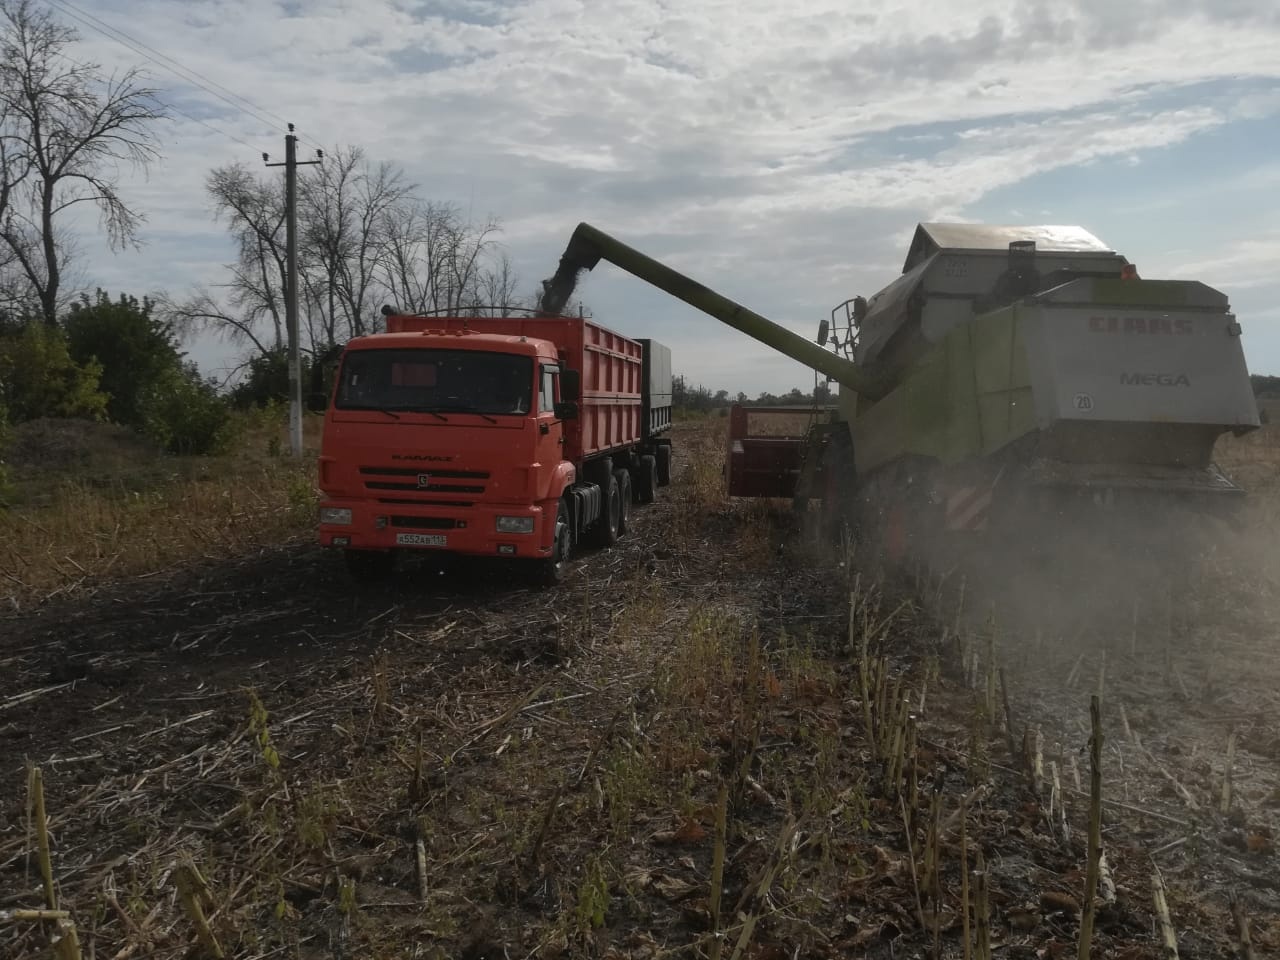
x: 1018, y: 395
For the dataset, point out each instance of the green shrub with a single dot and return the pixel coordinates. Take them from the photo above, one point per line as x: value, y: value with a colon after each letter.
x: 6, y: 492
x: 185, y: 415
x: 135, y: 349
x: 39, y: 378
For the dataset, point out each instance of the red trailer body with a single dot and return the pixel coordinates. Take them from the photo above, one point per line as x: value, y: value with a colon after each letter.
x: 511, y: 436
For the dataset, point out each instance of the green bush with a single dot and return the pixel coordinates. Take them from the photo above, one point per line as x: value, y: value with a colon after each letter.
x: 185, y: 415
x: 39, y: 378
x: 135, y: 349
x: 5, y: 490
x: 266, y: 379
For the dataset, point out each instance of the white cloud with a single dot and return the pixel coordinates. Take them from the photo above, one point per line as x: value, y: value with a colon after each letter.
x: 783, y: 151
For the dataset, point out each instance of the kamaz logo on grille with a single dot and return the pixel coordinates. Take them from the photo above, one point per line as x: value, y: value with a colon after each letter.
x: 1165, y: 325
x: 1155, y: 379
x: 420, y: 456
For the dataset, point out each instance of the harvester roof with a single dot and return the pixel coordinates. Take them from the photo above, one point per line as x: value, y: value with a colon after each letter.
x: 931, y: 238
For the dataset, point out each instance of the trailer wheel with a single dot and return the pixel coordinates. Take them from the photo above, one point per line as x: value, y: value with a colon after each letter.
x: 605, y: 531
x: 624, y: 500
x: 552, y: 570
x: 647, y: 479
x: 664, y: 464
x: 369, y: 566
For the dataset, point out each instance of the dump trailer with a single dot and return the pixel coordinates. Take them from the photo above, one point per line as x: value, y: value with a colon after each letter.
x: 1012, y: 381
x: 513, y: 437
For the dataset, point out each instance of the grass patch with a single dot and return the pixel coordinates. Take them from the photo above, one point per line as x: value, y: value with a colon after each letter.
x: 92, y: 501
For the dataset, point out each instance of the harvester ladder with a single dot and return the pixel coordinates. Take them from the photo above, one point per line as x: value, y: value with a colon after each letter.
x: 815, y: 440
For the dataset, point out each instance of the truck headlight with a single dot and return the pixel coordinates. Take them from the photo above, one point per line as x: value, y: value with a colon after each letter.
x: 515, y: 524
x: 336, y: 515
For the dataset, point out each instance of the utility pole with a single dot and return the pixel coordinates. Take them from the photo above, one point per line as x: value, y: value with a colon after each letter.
x: 291, y: 164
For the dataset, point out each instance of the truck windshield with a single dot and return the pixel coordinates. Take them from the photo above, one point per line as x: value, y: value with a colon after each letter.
x: 436, y: 381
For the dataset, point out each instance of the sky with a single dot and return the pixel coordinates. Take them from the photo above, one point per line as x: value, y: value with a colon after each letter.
x: 781, y: 153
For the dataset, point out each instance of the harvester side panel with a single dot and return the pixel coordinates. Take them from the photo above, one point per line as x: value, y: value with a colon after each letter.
x: 1138, y: 365
x: 968, y: 397
x: 1002, y: 379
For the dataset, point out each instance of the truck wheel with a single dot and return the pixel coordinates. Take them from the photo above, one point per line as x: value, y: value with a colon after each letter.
x: 647, y: 479
x: 664, y: 464
x: 624, y: 500
x: 605, y: 531
x: 370, y: 566
x: 552, y: 570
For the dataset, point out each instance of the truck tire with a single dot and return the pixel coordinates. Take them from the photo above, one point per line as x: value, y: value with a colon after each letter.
x: 604, y: 533
x: 624, y: 500
x: 664, y: 464
x: 369, y: 566
x: 647, y: 479
x: 550, y: 572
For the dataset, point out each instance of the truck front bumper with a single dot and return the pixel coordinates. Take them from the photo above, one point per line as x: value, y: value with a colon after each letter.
x: 470, y: 530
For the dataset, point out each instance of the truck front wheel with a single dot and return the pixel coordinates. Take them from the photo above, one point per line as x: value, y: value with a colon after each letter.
x: 552, y: 570
x: 605, y: 532
x: 370, y: 566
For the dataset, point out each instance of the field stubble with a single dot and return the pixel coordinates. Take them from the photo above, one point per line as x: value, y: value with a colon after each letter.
x: 714, y: 741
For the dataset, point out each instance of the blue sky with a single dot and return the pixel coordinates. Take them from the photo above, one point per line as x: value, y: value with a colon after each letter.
x: 781, y: 153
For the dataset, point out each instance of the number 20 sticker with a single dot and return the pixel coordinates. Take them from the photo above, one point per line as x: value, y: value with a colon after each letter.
x: 1083, y: 401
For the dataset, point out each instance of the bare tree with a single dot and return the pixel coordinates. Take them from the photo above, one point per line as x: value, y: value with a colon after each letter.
x: 345, y: 206
x: 365, y: 239
x: 496, y: 287
x: 66, y: 130
x: 434, y: 260
x: 254, y: 211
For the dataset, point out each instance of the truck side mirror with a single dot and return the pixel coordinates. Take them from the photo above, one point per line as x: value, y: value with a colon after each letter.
x: 859, y: 310
x: 570, y: 385
x: 566, y: 410
x: 823, y: 329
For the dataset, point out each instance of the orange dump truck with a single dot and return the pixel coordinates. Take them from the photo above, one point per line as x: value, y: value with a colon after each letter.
x: 516, y: 437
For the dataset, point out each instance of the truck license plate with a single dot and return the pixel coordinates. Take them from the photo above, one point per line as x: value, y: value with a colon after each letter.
x: 421, y: 540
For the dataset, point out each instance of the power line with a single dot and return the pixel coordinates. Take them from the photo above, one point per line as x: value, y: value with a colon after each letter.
x: 93, y: 71
x: 172, y: 66
x: 210, y: 126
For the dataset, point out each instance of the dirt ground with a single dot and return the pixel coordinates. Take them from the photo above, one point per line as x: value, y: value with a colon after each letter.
x: 715, y: 740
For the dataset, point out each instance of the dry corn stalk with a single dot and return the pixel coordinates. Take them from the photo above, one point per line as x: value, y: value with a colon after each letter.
x: 1242, y: 928
x: 1227, y: 773
x: 1095, y: 827
x: 964, y: 879
x: 65, y: 941
x: 717, y: 870
x: 420, y: 855
x: 195, y: 896
x: 982, y: 908
x: 1168, y: 936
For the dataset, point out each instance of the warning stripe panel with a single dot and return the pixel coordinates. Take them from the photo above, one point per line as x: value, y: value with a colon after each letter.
x: 967, y: 508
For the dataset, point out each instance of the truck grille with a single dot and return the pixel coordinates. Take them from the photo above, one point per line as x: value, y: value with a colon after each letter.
x: 407, y: 479
x: 424, y: 523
